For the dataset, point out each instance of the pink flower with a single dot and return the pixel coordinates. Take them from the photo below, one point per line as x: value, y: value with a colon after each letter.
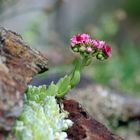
x: 80, y: 38
x: 83, y: 43
x: 107, y: 50
x: 85, y: 37
x: 98, y: 44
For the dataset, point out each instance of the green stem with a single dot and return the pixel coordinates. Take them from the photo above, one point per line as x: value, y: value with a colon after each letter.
x: 72, y: 79
x: 76, y: 74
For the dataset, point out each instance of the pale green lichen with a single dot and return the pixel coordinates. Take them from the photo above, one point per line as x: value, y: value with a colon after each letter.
x: 41, y: 118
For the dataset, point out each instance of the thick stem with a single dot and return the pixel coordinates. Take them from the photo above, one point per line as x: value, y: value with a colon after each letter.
x: 76, y: 74
x: 74, y: 78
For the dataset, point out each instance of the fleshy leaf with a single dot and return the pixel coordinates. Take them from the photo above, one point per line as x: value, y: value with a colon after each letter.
x: 75, y: 78
x: 63, y: 86
x: 42, y: 121
x: 52, y: 89
x: 34, y: 93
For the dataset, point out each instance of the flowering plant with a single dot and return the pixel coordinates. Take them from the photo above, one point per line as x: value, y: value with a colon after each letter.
x: 87, y: 48
x: 42, y: 118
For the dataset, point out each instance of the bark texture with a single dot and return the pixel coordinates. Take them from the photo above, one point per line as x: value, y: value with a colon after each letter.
x: 18, y: 64
x: 85, y: 127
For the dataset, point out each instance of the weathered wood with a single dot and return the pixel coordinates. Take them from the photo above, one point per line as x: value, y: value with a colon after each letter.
x: 85, y: 127
x: 18, y: 64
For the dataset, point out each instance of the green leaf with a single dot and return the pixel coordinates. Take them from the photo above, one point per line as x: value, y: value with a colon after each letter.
x: 63, y: 86
x: 52, y: 89
x: 34, y: 93
x: 31, y: 93
x: 75, y: 78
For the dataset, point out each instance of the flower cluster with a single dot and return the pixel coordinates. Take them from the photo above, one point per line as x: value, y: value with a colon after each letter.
x: 86, y: 46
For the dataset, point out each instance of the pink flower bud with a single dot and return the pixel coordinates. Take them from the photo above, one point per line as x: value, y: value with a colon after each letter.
x: 80, y: 38
x: 98, y: 44
x: 107, y: 50
x: 89, y: 49
x: 83, y: 44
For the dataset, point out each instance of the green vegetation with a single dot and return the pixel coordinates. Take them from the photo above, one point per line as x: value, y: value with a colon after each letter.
x: 41, y: 118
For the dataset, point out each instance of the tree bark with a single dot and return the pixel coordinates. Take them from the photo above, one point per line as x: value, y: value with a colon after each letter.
x: 85, y: 127
x: 18, y: 64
